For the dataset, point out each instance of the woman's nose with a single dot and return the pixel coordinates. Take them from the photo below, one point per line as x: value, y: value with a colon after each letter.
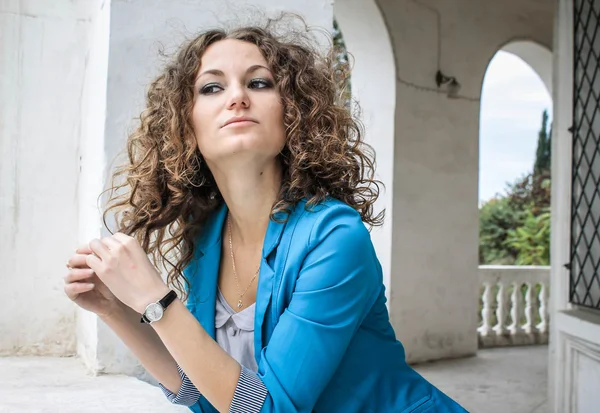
x: 238, y: 97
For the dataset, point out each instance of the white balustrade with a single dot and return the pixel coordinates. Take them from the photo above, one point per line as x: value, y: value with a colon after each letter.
x: 528, y: 310
x: 500, y: 327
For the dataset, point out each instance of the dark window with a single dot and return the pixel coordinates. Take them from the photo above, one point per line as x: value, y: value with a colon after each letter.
x: 585, y: 201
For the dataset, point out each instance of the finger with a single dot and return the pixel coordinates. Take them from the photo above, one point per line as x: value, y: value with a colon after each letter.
x: 77, y: 261
x: 94, y: 263
x: 122, y: 238
x: 112, y: 243
x: 74, y: 289
x: 78, y: 274
x: 99, y: 249
x: 83, y: 249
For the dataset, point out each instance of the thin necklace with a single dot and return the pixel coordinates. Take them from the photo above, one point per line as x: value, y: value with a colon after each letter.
x: 237, y: 281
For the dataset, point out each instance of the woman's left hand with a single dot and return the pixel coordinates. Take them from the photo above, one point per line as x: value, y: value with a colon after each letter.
x: 122, y: 264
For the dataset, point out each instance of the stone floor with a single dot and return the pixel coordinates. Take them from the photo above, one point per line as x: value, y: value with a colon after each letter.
x: 497, y: 380
x: 61, y: 385
x: 500, y: 380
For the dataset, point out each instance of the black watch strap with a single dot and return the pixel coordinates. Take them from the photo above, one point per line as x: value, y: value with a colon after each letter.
x: 164, y: 302
x: 168, y: 299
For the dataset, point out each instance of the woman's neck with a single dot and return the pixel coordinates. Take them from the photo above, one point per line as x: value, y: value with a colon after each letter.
x: 249, y: 194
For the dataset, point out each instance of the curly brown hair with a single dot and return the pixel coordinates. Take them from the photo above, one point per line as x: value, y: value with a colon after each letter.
x: 169, y: 190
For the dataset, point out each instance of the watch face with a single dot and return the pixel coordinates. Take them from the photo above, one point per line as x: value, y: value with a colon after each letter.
x: 154, y: 312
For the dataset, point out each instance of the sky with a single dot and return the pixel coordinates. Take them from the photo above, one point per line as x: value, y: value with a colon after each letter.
x: 512, y: 103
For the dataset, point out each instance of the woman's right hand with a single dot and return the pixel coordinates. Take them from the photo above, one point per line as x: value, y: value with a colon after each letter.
x: 85, y: 289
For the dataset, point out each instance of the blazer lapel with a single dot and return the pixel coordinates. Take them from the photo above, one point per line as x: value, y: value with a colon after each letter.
x: 208, y: 288
x: 203, y: 272
x: 264, y: 292
x: 263, y: 298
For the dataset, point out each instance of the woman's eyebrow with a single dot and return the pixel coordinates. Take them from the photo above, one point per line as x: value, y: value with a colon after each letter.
x: 254, y: 68
x: 215, y: 72
x: 218, y: 72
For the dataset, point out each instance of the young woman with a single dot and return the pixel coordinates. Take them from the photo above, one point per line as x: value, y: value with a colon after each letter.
x: 249, y: 177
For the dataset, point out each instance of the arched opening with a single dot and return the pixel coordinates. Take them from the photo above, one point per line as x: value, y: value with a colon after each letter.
x: 537, y: 57
x: 373, y: 86
x: 514, y: 195
x: 516, y: 107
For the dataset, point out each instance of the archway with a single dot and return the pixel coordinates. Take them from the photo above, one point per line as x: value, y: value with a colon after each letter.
x: 514, y: 194
x: 536, y: 56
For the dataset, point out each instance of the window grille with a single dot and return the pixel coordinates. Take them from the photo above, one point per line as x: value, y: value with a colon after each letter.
x: 584, y: 266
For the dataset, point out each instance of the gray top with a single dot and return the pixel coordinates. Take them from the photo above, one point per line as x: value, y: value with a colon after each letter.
x: 235, y: 332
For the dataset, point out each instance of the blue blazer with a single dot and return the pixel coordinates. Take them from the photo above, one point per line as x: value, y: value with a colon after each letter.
x: 322, y: 337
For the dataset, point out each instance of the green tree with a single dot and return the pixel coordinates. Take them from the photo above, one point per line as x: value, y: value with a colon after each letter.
x: 532, y: 239
x: 514, y: 228
x: 530, y: 192
x: 497, y: 218
x: 544, y: 150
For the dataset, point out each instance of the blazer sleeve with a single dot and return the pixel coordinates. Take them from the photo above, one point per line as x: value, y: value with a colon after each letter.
x: 338, y: 283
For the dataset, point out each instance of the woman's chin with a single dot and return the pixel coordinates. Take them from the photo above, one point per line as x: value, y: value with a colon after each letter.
x: 239, y: 149
x: 245, y: 141
x: 240, y: 145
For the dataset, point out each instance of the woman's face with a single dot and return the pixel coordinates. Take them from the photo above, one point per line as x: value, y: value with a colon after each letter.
x: 237, y: 107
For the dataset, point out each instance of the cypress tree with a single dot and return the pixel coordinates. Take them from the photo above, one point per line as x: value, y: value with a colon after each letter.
x: 543, y: 153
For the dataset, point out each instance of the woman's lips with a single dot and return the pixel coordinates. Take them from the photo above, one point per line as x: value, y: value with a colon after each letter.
x: 239, y: 123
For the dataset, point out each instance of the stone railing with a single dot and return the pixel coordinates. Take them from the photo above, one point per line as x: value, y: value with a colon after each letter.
x: 514, y: 305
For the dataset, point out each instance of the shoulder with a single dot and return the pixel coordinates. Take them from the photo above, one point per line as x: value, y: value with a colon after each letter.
x: 328, y: 219
x: 335, y: 248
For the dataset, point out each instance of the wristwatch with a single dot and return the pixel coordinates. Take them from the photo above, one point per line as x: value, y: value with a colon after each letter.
x: 155, y: 311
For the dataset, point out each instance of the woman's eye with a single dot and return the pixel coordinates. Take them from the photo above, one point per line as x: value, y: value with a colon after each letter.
x: 210, y: 89
x: 260, y: 84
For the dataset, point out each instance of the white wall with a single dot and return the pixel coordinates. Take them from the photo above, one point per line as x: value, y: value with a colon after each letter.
x: 43, y: 65
x: 434, y: 286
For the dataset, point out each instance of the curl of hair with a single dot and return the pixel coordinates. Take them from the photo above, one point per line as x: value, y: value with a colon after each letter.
x: 169, y: 192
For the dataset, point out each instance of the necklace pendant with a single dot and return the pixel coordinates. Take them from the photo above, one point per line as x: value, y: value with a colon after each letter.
x: 239, y: 305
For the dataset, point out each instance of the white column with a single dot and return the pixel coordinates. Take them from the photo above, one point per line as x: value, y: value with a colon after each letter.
x: 561, y: 194
x: 434, y: 284
x: 93, y: 164
x: 367, y: 40
x: 42, y: 62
